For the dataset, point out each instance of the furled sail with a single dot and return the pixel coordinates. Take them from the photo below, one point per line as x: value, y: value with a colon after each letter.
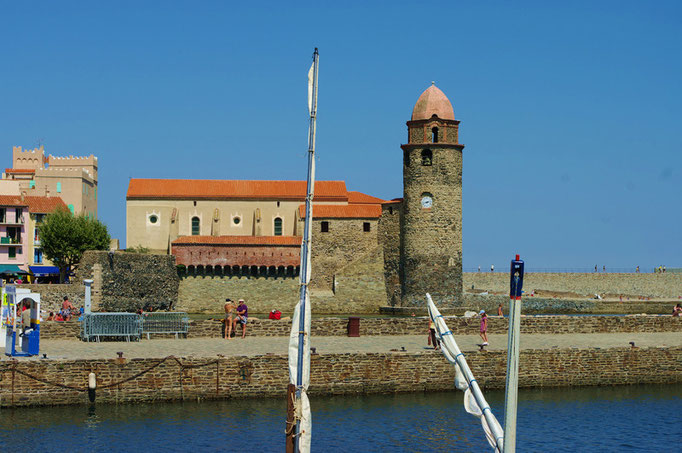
x: 474, y: 401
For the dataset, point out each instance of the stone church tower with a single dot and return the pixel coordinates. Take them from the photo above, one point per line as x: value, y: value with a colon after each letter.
x: 431, y: 218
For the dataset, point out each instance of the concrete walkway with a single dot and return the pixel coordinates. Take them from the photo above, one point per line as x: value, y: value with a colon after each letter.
x: 210, y: 347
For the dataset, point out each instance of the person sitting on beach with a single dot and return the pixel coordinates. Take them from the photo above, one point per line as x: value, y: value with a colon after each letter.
x: 229, y: 308
x: 242, y: 317
x: 677, y: 311
x: 484, y: 327
x: 51, y: 317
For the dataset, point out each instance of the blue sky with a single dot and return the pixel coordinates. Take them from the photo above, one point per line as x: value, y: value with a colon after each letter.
x: 570, y: 111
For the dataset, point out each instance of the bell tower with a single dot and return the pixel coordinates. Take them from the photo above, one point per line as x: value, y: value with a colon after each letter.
x: 431, y: 220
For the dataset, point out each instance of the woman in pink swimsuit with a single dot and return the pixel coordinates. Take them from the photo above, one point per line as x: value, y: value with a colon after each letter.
x: 484, y: 327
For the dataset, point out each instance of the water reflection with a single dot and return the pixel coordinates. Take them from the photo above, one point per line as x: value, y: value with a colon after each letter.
x: 641, y: 418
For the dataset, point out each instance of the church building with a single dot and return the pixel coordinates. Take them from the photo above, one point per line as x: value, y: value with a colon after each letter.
x: 407, y: 246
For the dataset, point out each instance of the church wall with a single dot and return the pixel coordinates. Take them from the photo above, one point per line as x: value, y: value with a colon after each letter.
x: 389, y: 237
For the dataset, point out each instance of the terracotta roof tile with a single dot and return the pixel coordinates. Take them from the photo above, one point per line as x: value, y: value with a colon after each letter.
x: 40, y: 205
x: 12, y: 200
x: 362, y: 198
x: 19, y: 170
x: 353, y: 211
x: 395, y: 200
x: 225, y: 189
x: 44, y: 205
x: 239, y: 240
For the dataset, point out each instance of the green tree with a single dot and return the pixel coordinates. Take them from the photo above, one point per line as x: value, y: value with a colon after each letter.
x: 64, y: 237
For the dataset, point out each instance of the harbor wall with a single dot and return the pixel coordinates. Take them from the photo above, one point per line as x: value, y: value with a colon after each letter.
x: 416, y: 326
x: 665, y: 285
x: 55, y: 382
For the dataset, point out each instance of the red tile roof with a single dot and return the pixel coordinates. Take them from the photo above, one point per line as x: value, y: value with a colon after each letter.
x: 352, y: 211
x: 44, y: 205
x: 40, y: 205
x: 12, y: 200
x: 224, y: 189
x: 363, y: 198
x: 19, y: 170
x: 239, y: 240
x: 395, y: 200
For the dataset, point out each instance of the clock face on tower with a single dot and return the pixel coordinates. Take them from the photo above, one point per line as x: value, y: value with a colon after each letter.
x: 427, y: 202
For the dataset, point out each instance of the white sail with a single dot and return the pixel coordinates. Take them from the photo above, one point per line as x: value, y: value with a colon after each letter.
x: 302, y: 409
x: 474, y: 401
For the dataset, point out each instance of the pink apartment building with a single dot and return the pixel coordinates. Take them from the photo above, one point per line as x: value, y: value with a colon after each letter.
x: 20, y: 218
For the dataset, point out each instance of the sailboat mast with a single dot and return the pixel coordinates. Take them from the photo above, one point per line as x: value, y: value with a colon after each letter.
x: 307, y: 234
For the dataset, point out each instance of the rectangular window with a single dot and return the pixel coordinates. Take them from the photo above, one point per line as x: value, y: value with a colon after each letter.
x: 2, y: 215
x: 12, y: 254
x: 19, y: 215
x: 36, y: 235
x: 83, y: 187
x: 324, y: 227
x: 59, y: 187
x: 31, y: 184
x: 38, y: 256
x: 71, y: 209
x: 365, y: 226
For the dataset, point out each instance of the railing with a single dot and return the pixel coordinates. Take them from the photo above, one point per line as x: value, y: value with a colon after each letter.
x: 165, y: 322
x: 7, y: 221
x: 113, y: 325
x: 6, y: 240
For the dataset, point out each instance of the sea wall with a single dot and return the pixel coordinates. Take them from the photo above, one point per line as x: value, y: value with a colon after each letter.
x: 417, y: 326
x: 667, y: 285
x: 55, y: 382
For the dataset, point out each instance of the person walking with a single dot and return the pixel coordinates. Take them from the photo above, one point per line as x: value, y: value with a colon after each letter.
x: 483, y: 330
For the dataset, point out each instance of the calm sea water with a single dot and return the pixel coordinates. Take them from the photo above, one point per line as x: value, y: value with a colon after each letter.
x: 636, y: 418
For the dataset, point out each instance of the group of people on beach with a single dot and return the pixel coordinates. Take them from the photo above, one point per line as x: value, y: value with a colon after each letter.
x: 66, y: 313
x: 235, y: 314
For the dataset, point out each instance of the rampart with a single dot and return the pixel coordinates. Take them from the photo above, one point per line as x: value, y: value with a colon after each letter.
x: 666, y: 285
x: 57, y: 382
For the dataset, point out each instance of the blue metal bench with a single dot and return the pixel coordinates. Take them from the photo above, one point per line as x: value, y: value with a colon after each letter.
x: 165, y: 322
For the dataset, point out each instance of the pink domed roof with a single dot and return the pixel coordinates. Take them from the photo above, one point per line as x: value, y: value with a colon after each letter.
x: 433, y: 102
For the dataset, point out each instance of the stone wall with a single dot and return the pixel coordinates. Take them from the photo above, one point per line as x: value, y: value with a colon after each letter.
x: 338, y: 249
x: 54, y: 382
x: 389, y: 234
x: 131, y: 280
x: 668, y: 285
x: 418, y: 326
x: 51, y: 296
x: 357, y: 288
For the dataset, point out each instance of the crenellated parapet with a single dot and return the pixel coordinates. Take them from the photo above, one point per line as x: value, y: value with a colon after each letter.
x: 88, y: 163
x: 28, y: 158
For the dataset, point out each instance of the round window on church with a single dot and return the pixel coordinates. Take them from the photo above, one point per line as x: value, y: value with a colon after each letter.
x: 236, y: 220
x: 153, y: 218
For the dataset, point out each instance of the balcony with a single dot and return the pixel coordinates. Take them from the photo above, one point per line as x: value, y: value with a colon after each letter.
x: 10, y: 241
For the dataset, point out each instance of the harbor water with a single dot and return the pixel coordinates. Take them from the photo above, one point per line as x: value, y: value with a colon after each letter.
x: 624, y: 418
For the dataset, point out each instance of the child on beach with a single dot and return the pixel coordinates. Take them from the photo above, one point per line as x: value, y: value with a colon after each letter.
x: 484, y: 327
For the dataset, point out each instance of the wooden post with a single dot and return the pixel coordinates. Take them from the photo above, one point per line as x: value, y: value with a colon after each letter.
x: 291, y: 423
